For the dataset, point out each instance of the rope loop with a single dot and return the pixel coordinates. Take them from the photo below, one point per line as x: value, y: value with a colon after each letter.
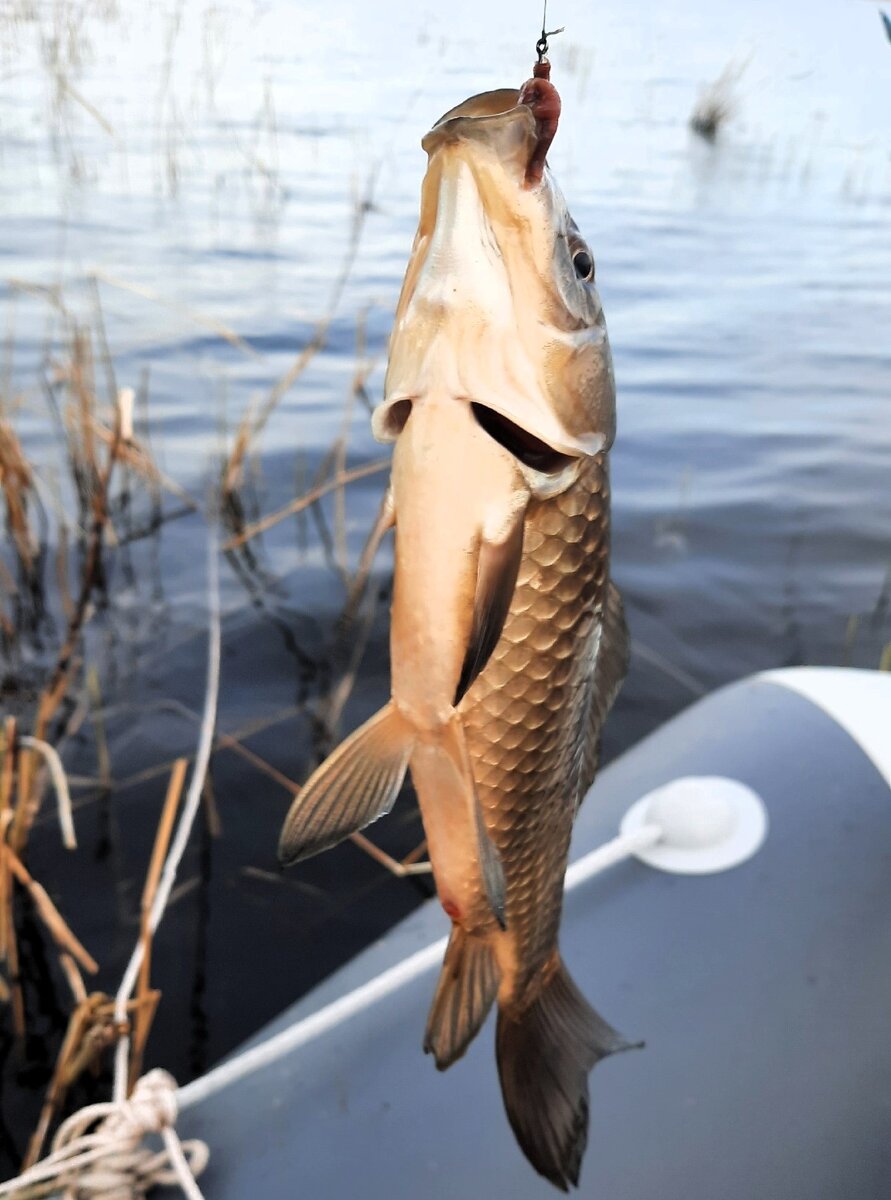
x: 99, y: 1150
x: 151, y: 1108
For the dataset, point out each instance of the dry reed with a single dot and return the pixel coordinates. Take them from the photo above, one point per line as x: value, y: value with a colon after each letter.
x: 144, y: 1011
x: 718, y: 101
x: 105, y: 459
x: 97, y: 445
x: 254, y: 422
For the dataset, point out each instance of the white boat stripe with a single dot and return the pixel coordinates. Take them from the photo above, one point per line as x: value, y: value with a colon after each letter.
x: 858, y: 701
x: 318, y: 1023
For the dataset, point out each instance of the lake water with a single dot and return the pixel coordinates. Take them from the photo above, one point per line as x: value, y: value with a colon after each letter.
x: 225, y: 179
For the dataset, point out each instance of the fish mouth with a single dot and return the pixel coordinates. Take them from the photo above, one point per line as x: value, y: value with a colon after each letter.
x: 484, y: 104
x: 495, y: 121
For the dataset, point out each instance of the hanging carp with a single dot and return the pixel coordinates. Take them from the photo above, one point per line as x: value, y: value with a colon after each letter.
x: 508, y: 640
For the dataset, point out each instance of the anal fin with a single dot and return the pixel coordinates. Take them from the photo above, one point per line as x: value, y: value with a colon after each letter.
x: 466, y: 989
x: 355, y: 785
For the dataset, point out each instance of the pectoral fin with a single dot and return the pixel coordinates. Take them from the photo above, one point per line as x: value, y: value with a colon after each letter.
x: 354, y: 786
x: 499, y: 563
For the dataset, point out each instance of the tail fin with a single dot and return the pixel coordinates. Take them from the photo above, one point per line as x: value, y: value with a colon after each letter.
x: 544, y: 1055
x: 467, y: 986
x: 354, y: 786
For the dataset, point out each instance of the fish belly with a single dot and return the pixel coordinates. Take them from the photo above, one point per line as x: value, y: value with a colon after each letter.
x: 532, y: 719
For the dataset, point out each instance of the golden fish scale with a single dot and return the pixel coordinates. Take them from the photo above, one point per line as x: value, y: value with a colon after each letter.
x: 528, y: 716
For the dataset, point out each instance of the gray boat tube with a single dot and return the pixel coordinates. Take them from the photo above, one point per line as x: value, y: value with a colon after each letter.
x: 760, y: 980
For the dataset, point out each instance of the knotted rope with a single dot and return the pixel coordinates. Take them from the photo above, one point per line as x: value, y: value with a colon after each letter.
x: 99, y: 1150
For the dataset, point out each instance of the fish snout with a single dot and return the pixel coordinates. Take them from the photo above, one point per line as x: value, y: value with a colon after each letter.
x: 516, y: 126
x: 509, y: 137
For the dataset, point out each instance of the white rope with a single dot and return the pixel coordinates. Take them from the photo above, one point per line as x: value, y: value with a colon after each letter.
x: 186, y: 821
x: 318, y: 1023
x: 610, y: 853
x: 98, y: 1152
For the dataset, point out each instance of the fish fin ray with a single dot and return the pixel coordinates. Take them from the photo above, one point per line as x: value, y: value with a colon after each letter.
x: 491, y: 870
x: 497, y: 569
x: 355, y: 785
x: 609, y: 672
x: 612, y: 662
x: 544, y: 1054
x: 490, y: 867
x: 464, y: 994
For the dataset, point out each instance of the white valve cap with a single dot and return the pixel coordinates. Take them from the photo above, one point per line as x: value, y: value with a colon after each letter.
x: 709, y: 823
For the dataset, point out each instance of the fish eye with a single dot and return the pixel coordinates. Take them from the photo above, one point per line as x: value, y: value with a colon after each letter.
x: 584, y: 264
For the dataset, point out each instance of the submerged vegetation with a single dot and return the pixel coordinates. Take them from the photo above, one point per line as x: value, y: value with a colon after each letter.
x: 68, y: 553
x: 68, y: 539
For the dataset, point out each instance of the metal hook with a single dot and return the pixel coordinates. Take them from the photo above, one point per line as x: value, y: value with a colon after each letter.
x: 541, y: 46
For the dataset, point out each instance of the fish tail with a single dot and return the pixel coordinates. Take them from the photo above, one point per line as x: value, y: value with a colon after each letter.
x: 467, y: 986
x: 354, y: 786
x: 544, y: 1054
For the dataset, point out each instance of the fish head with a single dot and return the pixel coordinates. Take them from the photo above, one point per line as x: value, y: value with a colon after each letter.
x: 498, y: 308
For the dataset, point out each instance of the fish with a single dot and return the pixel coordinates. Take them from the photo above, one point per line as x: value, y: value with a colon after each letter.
x: 508, y: 641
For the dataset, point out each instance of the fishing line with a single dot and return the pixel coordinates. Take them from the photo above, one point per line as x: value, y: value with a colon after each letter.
x: 541, y: 46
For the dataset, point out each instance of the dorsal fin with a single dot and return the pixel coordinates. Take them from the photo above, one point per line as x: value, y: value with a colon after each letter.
x: 612, y: 664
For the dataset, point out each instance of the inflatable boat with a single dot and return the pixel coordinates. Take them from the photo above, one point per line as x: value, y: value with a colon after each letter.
x: 728, y: 903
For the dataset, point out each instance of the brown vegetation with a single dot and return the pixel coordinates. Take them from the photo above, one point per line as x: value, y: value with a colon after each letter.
x: 54, y: 599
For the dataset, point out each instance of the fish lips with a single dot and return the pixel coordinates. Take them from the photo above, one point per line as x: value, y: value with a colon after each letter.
x: 494, y: 120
